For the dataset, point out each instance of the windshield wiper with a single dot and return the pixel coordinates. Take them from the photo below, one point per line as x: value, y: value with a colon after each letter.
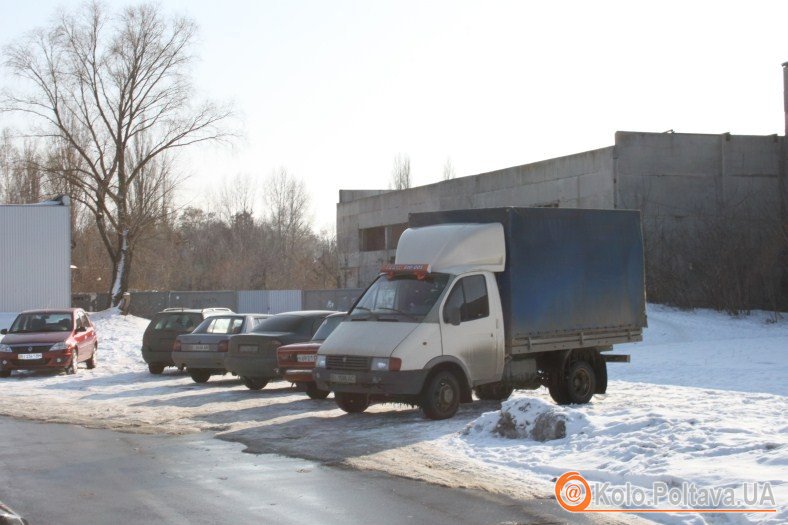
x: 354, y: 318
x: 398, y: 312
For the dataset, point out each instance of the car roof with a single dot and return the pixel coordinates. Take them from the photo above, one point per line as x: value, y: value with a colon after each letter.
x: 178, y: 310
x: 309, y: 313
x: 52, y: 310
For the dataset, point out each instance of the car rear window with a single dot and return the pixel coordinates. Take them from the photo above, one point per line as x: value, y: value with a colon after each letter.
x: 180, y: 322
x: 220, y: 325
x: 280, y: 323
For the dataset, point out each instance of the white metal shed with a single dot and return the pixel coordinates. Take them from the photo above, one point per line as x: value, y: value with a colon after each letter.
x: 35, y: 256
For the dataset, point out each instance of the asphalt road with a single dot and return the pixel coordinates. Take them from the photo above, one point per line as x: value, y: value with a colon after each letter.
x: 62, y: 474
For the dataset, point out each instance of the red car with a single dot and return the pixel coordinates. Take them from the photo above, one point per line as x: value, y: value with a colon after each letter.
x: 48, y: 339
x: 296, y: 361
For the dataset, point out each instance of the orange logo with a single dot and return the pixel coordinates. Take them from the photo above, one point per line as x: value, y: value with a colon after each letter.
x: 573, y: 492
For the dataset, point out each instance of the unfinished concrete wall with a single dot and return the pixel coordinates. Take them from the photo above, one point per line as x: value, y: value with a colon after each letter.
x: 681, y: 177
x: 584, y: 180
x: 711, y: 208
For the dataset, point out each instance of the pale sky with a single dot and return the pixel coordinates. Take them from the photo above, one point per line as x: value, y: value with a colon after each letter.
x: 334, y: 90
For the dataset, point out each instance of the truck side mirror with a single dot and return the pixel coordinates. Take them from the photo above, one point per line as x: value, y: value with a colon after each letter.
x: 3, y: 331
x: 453, y: 313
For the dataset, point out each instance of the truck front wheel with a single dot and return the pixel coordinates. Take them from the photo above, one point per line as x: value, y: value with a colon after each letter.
x: 577, y: 386
x: 351, y: 403
x: 441, y: 397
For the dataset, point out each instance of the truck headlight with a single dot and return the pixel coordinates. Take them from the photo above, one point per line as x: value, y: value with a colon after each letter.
x: 320, y: 362
x: 5, y: 348
x: 385, y: 364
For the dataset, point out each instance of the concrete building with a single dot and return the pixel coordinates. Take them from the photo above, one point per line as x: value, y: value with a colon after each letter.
x: 35, y: 257
x: 682, y: 183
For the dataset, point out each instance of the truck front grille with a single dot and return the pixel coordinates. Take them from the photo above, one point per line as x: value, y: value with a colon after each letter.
x: 347, y: 362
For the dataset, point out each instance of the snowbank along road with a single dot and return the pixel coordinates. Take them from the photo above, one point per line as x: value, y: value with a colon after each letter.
x: 704, y: 401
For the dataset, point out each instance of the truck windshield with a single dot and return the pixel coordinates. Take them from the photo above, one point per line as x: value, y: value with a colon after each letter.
x: 400, y: 297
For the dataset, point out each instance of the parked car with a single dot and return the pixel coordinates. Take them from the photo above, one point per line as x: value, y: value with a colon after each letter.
x: 296, y: 361
x: 252, y: 356
x: 165, y: 326
x: 202, y: 351
x: 48, y: 339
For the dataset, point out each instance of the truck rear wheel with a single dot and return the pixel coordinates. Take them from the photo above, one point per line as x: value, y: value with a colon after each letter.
x: 576, y: 386
x: 493, y: 392
x: 351, y: 403
x: 441, y: 397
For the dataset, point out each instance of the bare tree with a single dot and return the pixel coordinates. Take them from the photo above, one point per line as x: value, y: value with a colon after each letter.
x: 117, y: 90
x: 22, y: 180
x: 236, y: 195
x: 288, y: 207
x: 448, y: 170
x: 400, y: 174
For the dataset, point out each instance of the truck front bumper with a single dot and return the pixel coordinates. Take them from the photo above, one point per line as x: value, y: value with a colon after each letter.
x: 400, y: 383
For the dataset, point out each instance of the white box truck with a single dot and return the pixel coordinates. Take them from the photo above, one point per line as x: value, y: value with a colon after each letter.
x: 488, y: 301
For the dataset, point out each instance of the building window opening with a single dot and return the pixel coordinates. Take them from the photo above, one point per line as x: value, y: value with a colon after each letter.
x: 372, y: 239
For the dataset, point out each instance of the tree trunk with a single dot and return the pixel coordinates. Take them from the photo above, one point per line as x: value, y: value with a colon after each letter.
x: 121, y: 269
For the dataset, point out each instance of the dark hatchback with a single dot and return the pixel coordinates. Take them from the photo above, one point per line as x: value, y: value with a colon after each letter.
x: 48, y: 339
x: 202, y: 351
x: 253, y: 356
x: 165, y: 326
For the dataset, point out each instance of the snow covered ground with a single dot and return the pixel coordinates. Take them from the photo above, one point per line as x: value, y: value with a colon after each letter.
x: 705, y: 400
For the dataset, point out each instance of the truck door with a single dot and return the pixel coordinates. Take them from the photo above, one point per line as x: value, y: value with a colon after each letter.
x: 474, y: 340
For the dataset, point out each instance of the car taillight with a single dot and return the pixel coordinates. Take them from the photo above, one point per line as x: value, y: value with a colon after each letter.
x: 176, y: 346
x: 224, y: 346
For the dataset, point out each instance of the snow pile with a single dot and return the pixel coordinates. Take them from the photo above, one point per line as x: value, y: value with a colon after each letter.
x: 120, y: 341
x: 528, y: 418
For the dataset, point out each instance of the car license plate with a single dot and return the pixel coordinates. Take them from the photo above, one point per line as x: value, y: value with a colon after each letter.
x: 348, y: 379
x: 30, y: 356
x: 200, y: 348
x: 307, y: 358
x: 249, y: 349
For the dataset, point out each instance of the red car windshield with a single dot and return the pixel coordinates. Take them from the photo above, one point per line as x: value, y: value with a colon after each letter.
x: 42, y: 322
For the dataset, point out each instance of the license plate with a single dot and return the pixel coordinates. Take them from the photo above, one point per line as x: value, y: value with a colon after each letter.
x: 347, y: 379
x: 306, y: 358
x: 250, y: 349
x: 200, y: 348
x: 30, y: 356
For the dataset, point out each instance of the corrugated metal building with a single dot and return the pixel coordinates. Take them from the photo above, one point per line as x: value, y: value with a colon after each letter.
x: 35, y: 256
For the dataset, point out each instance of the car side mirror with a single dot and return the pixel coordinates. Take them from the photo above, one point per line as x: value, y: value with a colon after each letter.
x: 81, y: 329
x: 3, y: 331
x: 453, y: 313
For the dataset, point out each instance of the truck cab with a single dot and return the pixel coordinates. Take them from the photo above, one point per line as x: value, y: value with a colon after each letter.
x: 435, y: 313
